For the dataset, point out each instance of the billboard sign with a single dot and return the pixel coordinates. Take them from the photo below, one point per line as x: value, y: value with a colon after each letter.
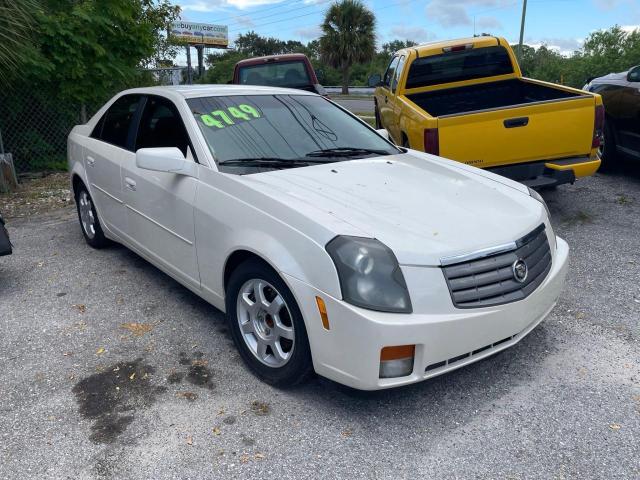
x: 200, y: 33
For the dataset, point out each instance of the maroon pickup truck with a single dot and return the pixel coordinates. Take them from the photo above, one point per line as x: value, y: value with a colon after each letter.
x: 292, y: 70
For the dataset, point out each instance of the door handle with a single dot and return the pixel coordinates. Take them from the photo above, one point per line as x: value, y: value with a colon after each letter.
x: 91, y: 161
x: 516, y: 122
x: 130, y: 183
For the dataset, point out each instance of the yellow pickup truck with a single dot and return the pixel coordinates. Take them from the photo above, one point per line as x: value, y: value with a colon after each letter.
x: 467, y: 100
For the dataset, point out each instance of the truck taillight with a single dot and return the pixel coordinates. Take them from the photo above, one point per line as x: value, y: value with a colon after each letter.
x: 598, y: 127
x: 431, y: 141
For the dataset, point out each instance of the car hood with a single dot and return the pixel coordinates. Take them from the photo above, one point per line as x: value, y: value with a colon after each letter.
x: 424, y: 208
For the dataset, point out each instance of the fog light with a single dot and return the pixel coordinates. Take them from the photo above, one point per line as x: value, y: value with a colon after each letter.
x: 397, y: 361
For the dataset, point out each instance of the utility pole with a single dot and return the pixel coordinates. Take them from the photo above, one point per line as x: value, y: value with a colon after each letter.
x: 189, y: 77
x: 524, y: 14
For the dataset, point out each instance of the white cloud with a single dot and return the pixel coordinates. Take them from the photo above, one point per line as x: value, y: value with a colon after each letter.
x: 489, y: 23
x: 451, y: 13
x: 417, y: 34
x: 608, y: 4
x: 243, y: 21
x: 308, y: 33
x: 630, y: 28
x: 215, y: 5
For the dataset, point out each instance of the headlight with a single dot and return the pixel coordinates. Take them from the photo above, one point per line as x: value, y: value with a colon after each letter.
x: 538, y: 197
x: 369, y: 274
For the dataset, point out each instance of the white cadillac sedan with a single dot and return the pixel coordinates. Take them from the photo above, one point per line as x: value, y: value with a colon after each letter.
x: 330, y: 249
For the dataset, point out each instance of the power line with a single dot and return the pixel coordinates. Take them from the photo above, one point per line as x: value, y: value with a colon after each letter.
x: 321, y: 2
x: 280, y: 5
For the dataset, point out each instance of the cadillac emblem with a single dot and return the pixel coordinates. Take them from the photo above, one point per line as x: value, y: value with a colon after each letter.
x: 520, y: 270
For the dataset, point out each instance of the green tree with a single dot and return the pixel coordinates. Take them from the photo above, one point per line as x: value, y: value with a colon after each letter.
x: 16, y: 19
x: 76, y: 53
x: 89, y: 49
x: 348, y: 37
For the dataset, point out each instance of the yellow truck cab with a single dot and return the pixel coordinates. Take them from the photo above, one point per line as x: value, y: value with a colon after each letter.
x: 467, y: 100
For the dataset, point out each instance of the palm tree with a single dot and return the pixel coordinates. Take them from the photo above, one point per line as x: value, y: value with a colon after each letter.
x: 348, y: 37
x: 16, y: 18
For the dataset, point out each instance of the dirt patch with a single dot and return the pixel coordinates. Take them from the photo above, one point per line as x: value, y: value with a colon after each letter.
x: 138, y: 329
x: 111, y: 397
x: 37, y: 194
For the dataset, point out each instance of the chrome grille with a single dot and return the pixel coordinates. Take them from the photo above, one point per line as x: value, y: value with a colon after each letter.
x: 492, y: 280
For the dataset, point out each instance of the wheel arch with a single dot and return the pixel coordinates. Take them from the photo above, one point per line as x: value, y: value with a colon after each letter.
x: 238, y: 257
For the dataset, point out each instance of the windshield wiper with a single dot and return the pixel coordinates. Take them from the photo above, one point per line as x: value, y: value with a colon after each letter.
x: 346, y: 152
x: 273, y: 162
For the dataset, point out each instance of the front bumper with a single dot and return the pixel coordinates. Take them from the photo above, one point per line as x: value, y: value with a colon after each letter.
x: 446, y: 338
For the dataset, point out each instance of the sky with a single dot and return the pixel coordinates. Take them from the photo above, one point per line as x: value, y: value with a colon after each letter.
x: 561, y: 24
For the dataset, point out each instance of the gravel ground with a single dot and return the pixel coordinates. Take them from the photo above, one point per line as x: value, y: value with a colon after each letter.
x: 174, y: 400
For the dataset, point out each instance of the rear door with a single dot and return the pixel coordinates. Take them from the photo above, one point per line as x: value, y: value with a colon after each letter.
x: 543, y: 131
x: 159, y: 204
x: 104, y: 151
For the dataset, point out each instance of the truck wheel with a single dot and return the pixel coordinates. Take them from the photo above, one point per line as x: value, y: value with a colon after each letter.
x: 608, y: 151
x: 267, y: 325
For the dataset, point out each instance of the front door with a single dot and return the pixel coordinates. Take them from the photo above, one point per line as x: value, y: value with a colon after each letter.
x: 159, y: 205
x: 386, y: 98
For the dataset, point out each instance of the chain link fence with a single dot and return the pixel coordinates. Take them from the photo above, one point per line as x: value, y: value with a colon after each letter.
x: 34, y: 125
x: 34, y: 131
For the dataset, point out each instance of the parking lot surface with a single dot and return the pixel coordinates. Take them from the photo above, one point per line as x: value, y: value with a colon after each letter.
x: 173, y: 400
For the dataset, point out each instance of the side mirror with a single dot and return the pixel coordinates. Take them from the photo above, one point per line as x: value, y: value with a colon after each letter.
x: 374, y: 80
x: 634, y: 74
x: 165, y: 159
x: 383, y: 133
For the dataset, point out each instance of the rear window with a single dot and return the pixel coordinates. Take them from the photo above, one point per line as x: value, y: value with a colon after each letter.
x: 276, y: 74
x: 459, y: 66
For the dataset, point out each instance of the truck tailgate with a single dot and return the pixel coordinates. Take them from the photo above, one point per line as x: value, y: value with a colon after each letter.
x: 537, y: 131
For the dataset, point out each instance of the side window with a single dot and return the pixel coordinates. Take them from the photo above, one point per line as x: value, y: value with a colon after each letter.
x: 398, y: 72
x: 161, y: 126
x: 117, y: 120
x: 391, y: 70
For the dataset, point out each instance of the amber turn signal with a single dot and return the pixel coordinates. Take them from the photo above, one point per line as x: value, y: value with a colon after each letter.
x: 322, y: 308
x: 397, y: 361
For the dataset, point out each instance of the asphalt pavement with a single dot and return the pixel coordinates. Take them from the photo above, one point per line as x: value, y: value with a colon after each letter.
x: 357, y: 105
x: 172, y: 399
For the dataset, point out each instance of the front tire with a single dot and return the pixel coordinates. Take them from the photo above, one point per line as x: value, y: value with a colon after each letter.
x: 89, y: 221
x: 267, y: 326
x: 376, y: 113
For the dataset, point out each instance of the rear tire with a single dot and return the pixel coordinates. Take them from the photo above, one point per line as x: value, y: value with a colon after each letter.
x: 267, y: 326
x: 376, y: 113
x: 89, y: 221
x: 608, y: 152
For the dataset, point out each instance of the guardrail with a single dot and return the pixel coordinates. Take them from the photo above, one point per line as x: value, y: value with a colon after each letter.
x: 352, y: 90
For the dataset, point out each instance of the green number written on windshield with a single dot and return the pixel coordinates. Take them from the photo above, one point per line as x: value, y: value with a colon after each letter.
x: 223, y: 118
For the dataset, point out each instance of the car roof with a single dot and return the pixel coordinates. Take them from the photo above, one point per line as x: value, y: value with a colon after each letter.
x: 214, y: 90
x: 285, y: 57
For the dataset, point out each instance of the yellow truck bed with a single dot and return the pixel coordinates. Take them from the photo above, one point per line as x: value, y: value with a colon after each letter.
x: 467, y: 100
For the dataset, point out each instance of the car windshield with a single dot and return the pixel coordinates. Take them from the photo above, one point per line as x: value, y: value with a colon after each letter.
x: 276, y: 74
x: 282, y: 131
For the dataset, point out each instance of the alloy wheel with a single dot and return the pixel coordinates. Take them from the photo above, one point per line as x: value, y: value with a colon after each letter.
x: 87, y: 217
x: 265, y: 322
